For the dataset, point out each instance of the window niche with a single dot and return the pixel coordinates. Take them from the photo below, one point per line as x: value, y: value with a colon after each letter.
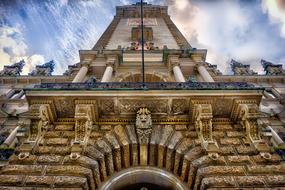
x: 136, y: 34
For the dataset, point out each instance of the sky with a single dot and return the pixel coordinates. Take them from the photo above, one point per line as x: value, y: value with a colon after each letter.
x: 40, y: 31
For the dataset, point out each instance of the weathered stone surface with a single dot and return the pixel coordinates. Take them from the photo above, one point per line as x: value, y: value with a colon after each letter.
x: 250, y: 181
x: 276, y: 180
x: 62, y: 150
x: 74, y: 170
x: 64, y: 128
x: 50, y: 159
x: 218, y: 181
x: 39, y: 180
x: 238, y: 159
x: 266, y: 169
x: 191, y: 134
x: 245, y: 150
x: 222, y: 127
x: 185, y: 145
x: 106, y: 127
x: 218, y: 170
x: 181, y: 127
x: 15, y: 180
x: 14, y: 159
x: 218, y: 134
x: 44, y: 150
x: 68, y: 134
x: 230, y: 141
x: 227, y: 150
x: 52, y: 134
x: 235, y: 134
x: 68, y: 181
x: 57, y: 141
x: 21, y: 169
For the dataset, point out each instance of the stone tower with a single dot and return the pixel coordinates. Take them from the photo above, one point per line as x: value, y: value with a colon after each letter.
x: 99, y: 127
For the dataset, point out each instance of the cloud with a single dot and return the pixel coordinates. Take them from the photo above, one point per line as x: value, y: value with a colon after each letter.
x: 13, y: 49
x: 229, y: 30
x: 276, y: 11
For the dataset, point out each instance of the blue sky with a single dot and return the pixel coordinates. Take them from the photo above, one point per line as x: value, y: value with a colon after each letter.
x: 39, y: 31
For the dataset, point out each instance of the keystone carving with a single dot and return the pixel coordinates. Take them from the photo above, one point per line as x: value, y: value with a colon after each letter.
x: 143, y: 125
x: 203, y: 123
x: 83, y: 123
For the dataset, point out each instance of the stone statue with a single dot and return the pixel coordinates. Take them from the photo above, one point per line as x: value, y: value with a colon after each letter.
x: 241, y: 69
x: 43, y: 70
x: 271, y: 69
x: 13, y: 70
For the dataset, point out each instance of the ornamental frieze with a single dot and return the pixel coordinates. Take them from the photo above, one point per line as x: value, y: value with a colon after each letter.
x: 131, y: 106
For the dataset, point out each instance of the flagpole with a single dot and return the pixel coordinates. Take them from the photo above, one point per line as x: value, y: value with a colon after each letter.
x: 142, y: 41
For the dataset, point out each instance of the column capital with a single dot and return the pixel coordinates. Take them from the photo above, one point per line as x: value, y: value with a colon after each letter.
x: 85, y: 63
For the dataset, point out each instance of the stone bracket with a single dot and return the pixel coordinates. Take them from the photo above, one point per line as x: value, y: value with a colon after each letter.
x: 202, y: 116
x: 84, y: 118
x: 246, y: 113
x: 42, y: 117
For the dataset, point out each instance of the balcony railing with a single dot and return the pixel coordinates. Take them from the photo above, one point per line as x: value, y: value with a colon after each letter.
x: 147, y: 86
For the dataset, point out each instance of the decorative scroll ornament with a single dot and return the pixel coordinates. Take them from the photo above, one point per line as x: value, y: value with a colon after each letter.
x: 246, y: 113
x: 203, y: 124
x: 143, y: 125
x: 42, y: 116
x: 248, y: 116
x: 41, y: 121
x: 84, y: 122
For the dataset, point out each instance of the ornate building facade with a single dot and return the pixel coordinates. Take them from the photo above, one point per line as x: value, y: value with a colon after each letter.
x: 98, y: 126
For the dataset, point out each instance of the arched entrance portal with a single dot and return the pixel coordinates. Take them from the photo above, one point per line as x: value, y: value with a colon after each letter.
x: 143, y: 178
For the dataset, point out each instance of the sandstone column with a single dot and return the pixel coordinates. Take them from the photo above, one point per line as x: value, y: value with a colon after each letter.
x: 107, y: 76
x: 81, y: 74
x: 205, y: 74
x: 11, y: 138
x: 174, y: 63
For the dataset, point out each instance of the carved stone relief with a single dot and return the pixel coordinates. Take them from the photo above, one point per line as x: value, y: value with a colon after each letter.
x: 202, y: 115
x: 143, y: 125
x: 131, y: 106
